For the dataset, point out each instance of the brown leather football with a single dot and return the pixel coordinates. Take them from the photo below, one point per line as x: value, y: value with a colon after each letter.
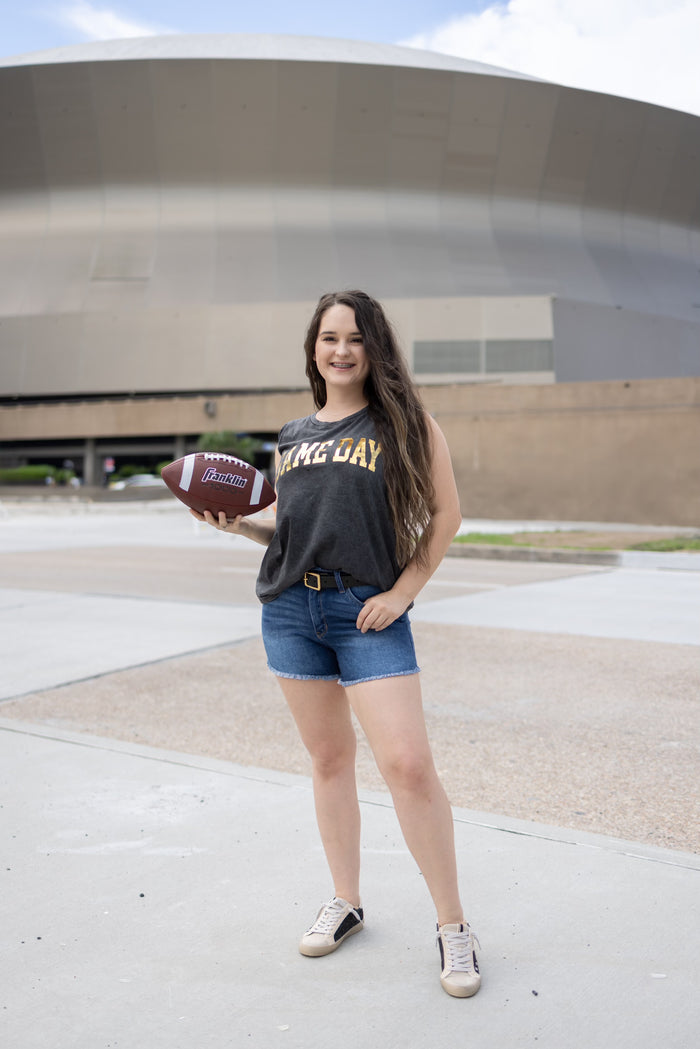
x: 214, y: 481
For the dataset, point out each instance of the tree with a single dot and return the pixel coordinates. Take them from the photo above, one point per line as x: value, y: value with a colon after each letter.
x: 230, y: 443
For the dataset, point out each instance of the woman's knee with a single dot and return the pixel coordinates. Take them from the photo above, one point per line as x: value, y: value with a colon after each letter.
x: 331, y: 757
x: 409, y: 770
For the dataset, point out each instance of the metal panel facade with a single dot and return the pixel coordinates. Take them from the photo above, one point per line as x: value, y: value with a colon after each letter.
x: 145, y: 194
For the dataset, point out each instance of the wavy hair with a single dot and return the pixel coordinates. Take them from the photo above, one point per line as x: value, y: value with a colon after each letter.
x: 398, y: 414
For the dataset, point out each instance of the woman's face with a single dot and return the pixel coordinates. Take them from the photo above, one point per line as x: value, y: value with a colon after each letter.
x: 340, y: 353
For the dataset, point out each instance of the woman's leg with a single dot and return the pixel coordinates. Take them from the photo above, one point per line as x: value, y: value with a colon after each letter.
x: 390, y: 712
x: 322, y: 714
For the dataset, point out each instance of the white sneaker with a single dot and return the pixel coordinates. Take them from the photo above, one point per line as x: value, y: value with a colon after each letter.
x: 334, y: 923
x: 460, y: 975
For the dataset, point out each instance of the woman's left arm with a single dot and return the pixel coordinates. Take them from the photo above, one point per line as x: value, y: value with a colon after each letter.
x: 381, y: 610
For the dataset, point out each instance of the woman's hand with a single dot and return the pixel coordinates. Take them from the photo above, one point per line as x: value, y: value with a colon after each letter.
x: 381, y: 611
x: 222, y: 524
x: 259, y: 531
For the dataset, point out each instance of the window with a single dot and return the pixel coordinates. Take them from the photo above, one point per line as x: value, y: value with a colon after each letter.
x: 519, y: 355
x: 472, y: 357
x: 442, y: 357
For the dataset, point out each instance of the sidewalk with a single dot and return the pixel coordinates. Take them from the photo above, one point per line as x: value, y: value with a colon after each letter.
x: 151, y: 902
x: 153, y: 897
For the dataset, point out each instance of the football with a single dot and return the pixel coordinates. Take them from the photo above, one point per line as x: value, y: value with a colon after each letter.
x: 216, y: 482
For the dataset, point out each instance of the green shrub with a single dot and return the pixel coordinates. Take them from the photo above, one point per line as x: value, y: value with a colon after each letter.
x: 34, y: 474
x: 230, y: 443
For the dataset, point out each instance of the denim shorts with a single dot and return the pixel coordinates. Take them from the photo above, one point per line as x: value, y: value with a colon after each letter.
x: 311, y: 635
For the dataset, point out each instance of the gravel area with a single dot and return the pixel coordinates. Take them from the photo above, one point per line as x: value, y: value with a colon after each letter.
x: 587, y: 733
x: 592, y: 734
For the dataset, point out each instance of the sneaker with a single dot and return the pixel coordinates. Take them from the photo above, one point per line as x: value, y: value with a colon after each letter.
x: 334, y: 923
x: 460, y: 968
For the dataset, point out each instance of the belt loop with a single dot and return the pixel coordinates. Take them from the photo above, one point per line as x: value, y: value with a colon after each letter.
x: 339, y: 581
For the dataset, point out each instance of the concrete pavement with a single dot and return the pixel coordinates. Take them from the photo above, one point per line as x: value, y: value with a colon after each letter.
x: 155, y: 898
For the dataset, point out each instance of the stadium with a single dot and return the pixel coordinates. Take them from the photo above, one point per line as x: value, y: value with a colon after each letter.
x: 172, y: 208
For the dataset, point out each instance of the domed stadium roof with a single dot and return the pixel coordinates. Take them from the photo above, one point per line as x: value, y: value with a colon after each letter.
x: 256, y: 46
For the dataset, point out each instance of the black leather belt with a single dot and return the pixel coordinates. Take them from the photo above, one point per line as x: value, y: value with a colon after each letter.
x: 327, y: 581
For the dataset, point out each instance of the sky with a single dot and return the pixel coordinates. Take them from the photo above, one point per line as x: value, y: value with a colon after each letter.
x: 642, y: 49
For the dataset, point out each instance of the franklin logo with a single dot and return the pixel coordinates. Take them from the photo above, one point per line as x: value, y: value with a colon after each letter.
x: 235, y: 480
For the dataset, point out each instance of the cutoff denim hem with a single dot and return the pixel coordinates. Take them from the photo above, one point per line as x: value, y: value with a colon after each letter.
x: 343, y: 684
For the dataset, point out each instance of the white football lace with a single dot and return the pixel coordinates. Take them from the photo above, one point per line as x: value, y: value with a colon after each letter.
x: 460, y: 951
x: 328, y: 917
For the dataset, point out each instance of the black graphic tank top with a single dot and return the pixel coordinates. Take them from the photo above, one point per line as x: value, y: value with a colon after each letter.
x: 332, y: 509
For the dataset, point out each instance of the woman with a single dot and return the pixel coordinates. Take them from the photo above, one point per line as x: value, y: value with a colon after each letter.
x: 367, y: 506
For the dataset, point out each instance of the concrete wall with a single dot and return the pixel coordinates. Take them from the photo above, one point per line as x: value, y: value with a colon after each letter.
x: 151, y: 417
x: 610, y: 451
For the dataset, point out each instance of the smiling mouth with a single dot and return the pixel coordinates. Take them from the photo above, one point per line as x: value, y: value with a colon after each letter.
x: 343, y: 367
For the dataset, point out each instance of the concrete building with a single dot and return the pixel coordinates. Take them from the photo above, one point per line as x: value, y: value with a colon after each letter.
x: 171, y: 208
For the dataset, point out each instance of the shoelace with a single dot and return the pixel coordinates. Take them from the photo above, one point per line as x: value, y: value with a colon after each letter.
x: 328, y: 918
x: 460, y: 951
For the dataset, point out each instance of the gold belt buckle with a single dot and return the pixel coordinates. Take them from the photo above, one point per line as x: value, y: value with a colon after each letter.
x: 307, y: 580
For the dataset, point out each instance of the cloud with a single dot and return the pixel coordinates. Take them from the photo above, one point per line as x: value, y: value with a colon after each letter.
x: 102, y: 23
x: 642, y: 49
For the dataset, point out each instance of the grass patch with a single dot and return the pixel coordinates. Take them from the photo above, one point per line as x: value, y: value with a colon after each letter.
x: 571, y: 540
x: 488, y: 537
x: 665, y: 546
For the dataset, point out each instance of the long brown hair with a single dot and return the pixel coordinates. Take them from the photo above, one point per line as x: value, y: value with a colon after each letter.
x: 398, y: 414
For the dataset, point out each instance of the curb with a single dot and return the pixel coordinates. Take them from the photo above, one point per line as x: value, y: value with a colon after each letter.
x: 488, y: 551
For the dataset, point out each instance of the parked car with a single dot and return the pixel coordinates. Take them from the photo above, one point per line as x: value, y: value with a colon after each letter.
x: 139, y: 481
